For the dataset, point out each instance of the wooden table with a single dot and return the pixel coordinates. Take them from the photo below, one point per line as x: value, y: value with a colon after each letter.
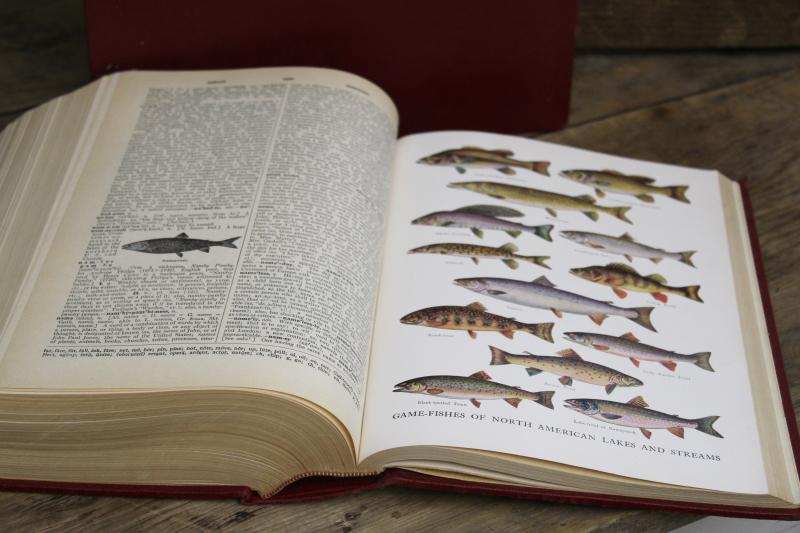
x: 737, y: 112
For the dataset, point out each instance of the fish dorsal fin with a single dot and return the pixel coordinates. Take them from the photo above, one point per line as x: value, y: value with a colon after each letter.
x: 475, y: 148
x: 541, y: 280
x: 638, y: 402
x: 629, y: 337
x: 481, y: 375
x: 509, y: 247
x: 622, y: 266
x: 586, y: 198
x: 502, y: 152
x: 490, y: 211
x: 658, y: 278
x: 610, y: 171
x: 476, y: 306
x: 182, y: 236
x: 569, y: 354
x: 626, y: 237
x: 643, y: 179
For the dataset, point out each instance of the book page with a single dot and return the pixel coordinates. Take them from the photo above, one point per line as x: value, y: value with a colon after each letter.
x: 222, y: 234
x: 564, y: 305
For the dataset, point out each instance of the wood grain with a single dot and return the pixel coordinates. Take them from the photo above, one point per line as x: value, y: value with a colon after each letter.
x: 687, y: 24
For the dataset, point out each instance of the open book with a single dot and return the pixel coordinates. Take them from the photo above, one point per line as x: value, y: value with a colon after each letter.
x: 243, y: 278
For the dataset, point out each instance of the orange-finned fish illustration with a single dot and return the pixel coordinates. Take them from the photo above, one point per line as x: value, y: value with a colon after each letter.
x: 613, y: 181
x: 619, y: 276
x: 549, y: 201
x: 628, y: 345
x: 177, y: 245
x: 472, y: 318
x: 569, y: 366
x: 635, y: 414
x: 474, y: 388
x: 506, y: 253
x: 625, y: 245
x: 474, y: 157
x: 480, y: 217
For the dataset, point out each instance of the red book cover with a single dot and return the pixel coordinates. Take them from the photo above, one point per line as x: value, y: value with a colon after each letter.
x: 325, y: 487
x: 503, y: 66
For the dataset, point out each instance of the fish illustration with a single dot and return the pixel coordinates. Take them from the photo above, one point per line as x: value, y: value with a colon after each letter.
x: 480, y: 217
x: 625, y: 245
x: 506, y: 253
x: 550, y: 201
x: 474, y: 388
x: 177, y: 245
x: 635, y: 414
x: 619, y: 276
x: 628, y: 345
x: 569, y: 366
x: 474, y: 157
x: 639, y: 186
x: 472, y: 318
x: 542, y: 293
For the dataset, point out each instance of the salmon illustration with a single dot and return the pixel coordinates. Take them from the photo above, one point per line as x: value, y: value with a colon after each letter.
x: 472, y: 318
x: 474, y: 157
x: 613, y: 181
x: 625, y: 245
x: 619, y: 276
x: 543, y: 294
x: 549, y: 201
x: 177, y: 245
x: 506, y: 253
x: 475, y: 388
x: 636, y: 414
x: 484, y: 217
x: 628, y: 345
x: 569, y: 366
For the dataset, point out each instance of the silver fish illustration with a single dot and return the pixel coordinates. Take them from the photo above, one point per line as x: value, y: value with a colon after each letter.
x: 474, y: 388
x: 177, y: 245
x: 635, y: 414
x: 542, y: 293
x: 484, y: 217
x: 570, y: 365
x: 625, y: 245
x: 628, y: 345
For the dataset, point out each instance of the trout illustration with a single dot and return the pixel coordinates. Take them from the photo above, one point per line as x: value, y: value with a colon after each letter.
x: 474, y: 157
x: 635, y: 414
x: 550, y: 201
x: 625, y: 245
x: 542, y: 293
x: 506, y: 253
x: 474, y: 388
x: 639, y: 186
x: 472, y: 318
x: 628, y: 345
x: 619, y: 276
x: 480, y: 217
x: 569, y: 366
x: 177, y: 245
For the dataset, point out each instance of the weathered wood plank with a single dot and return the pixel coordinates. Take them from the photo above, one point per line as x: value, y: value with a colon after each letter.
x: 687, y: 24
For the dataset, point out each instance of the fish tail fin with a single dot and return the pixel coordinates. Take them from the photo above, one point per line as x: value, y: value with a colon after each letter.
x: 544, y: 330
x: 619, y: 212
x: 705, y: 425
x: 703, y: 360
x: 678, y: 192
x: 692, y: 292
x: 536, y: 260
x: 543, y: 232
x: 228, y: 243
x: 545, y: 398
x: 686, y: 257
x: 498, y: 356
x: 643, y: 317
x: 540, y: 167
